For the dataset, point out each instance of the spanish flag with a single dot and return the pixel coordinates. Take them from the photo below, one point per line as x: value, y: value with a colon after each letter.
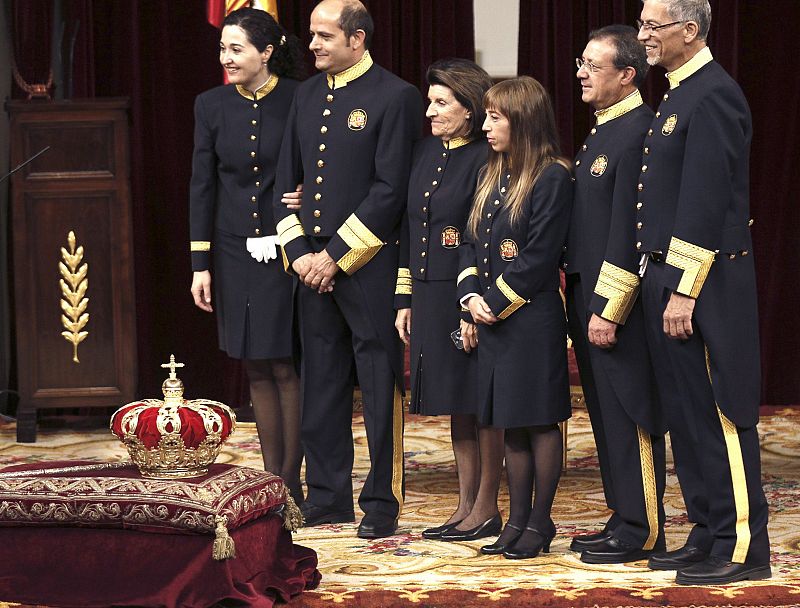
x: 217, y: 10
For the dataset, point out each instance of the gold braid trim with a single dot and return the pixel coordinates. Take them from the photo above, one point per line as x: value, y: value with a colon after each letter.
x: 512, y: 296
x: 200, y: 246
x: 649, y: 487
x: 456, y: 142
x: 288, y: 229
x: 472, y: 271
x: 362, y: 242
x: 620, y: 288
x: 702, y: 57
x: 695, y: 263
x: 341, y: 79
x: 261, y: 92
x: 630, y: 102
x: 403, y: 287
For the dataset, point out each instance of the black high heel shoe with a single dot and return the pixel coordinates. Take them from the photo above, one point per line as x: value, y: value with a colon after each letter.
x: 496, y: 548
x: 436, y: 532
x: 544, y: 546
x: 490, y: 527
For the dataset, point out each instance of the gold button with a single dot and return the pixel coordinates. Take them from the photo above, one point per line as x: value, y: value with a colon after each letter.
x: 745, y: 252
x: 422, y: 254
x: 486, y: 245
x: 422, y: 270
x: 485, y: 260
x: 593, y: 131
x: 751, y: 222
x: 329, y: 97
x: 639, y: 226
x: 427, y: 194
x: 322, y: 147
x: 639, y: 245
x: 424, y: 210
x: 658, y: 114
x: 488, y: 230
x: 439, y: 169
x: 317, y: 213
x: 488, y: 215
x: 255, y: 215
x: 486, y: 274
x: 424, y: 239
x: 317, y: 229
x: 732, y: 256
x: 319, y: 179
x: 320, y: 163
x: 434, y: 183
x: 317, y: 196
x: 647, y: 150
x: 444, y: 154
x: 255, y: 105
x: 496, y: 203
x: 323, y: 129
x: 252, y: 137
x: 503, y: 190
x: 650, y: 132
x: 638, y: 205
x: 258, y: 184
x: 424, y: 224
x: 577, y: 163
x: 326, y: 112
x: 666, y: 96
x: 253, y: 122
x: 644, y: 168
x: 640, y: 187
x: 255, y: 169
x: 252, y: 154
x: 258, y: 231
x: 253, y: 198
x: 584, y: 147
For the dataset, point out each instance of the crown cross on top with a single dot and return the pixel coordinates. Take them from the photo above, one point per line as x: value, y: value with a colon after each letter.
x: 172, y: 366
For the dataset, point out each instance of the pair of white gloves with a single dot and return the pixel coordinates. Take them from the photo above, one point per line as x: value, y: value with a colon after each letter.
x: 263, y: 248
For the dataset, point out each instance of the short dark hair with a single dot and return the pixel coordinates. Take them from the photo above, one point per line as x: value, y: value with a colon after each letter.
x: 630, y: 52
x: 354, y: 17
x: 468, y: 82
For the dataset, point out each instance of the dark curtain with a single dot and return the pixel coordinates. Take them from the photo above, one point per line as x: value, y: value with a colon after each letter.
x: 749, y: 40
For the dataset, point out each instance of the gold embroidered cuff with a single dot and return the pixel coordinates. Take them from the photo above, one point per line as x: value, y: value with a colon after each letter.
x: 620, y: 288
x: 289, y: 228
x: 512, y: 296
x: 695, y: 263
x: 403, y: 287
x: 200, y: 246
x: 472, y: 271
x: 362, y: 242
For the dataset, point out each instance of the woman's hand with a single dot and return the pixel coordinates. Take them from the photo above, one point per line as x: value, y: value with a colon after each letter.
x: 201, y: 290
x: 481, y: 313
x: 469, y: 335
x: 293, y: 200
x: 403, y: 324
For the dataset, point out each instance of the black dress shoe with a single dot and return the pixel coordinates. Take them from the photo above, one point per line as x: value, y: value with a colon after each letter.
x: 583, y: 542
x: 496, y: 548
x: 677, y: 559
x: 614, y: 551
x: 436, y: 533
x: 491, y: 527
x: 316, y: 516
x: 515, y: 552
x: 377, y: 525
x: 718, y: 571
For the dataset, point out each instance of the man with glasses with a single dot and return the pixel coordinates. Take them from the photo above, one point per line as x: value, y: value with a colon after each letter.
x: 699, y: 297
x: 605, y: 317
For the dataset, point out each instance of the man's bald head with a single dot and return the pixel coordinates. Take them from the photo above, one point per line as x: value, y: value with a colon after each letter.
x: 352, y: 16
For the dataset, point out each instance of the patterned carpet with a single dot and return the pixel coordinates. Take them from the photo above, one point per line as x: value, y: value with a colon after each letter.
x: 406, y: 570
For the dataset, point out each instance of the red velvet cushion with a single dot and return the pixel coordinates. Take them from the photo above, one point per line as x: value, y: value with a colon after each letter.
x: 115, y: 495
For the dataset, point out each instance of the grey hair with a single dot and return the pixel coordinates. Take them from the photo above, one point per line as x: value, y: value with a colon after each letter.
x: 698, y: 11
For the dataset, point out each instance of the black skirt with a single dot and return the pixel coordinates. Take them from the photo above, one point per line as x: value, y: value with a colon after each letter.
x: 442, y: 376
x: 253, y: 301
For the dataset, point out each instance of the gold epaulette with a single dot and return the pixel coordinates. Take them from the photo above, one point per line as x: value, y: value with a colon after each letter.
x: 512, y: 296
x: 695, y: 263
x: 403, y: 287
x: 288, y: 229
x: 620, y: 288
x: 362, y: 242
x: 472, y: 271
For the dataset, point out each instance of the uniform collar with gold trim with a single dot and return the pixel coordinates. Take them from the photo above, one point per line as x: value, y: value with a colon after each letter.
x: 262, y: 91
x: 625, y: 105
x: 456, y: 142
x: 702, y: 57
x: 341, y: 79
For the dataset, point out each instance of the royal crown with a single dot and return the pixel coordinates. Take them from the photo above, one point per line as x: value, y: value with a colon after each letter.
x: 173, y: 438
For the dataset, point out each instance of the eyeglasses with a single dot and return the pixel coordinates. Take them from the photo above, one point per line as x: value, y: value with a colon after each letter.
x: 649, y: 27
x: 590, y: 67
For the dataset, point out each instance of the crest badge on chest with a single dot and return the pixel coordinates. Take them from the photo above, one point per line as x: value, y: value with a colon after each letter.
x: 508, y: 250
x: 357, y: 120
x: 599, y: 166
x: 669, y: 125
x: 451, y: 237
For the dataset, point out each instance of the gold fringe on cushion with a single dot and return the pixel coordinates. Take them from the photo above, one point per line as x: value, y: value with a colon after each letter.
x: 224, y: 547
x: 292, y: 516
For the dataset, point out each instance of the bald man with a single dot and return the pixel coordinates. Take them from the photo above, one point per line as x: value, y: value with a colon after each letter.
x: 348, y: 139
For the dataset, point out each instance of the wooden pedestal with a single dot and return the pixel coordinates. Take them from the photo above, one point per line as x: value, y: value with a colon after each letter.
x: 73, y: 297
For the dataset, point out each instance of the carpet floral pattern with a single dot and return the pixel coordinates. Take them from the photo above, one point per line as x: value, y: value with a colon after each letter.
x: 406, y: 570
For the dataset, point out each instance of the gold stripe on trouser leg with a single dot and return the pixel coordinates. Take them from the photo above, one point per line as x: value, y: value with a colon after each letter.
x: 397, y: 450
x: 736, y: 464
x: 649, y: 486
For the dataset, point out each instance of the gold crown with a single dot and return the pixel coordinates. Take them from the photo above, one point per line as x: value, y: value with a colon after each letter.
x: 173, y: 438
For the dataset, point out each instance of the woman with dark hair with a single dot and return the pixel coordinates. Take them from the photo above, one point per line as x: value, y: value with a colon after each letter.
x: 238, y: 131
x: 510, y: 281
x: 441, y: 188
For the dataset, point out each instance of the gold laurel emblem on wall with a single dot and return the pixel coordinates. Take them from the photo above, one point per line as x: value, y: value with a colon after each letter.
x: 74, y: 284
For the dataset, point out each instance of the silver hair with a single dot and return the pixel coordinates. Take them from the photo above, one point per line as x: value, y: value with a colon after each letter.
x: 698, y: 11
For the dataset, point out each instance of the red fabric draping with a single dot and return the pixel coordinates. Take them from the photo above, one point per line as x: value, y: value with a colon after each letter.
x: 748, y: 39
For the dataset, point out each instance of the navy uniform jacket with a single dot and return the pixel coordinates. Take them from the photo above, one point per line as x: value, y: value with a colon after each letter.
x: 237, y: 139
x: 601, y: 248
x: 348, y: 139
x: 440, y: 193
x: 694, y: 211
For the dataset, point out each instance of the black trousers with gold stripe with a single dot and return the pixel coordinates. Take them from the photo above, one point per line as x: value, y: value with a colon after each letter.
x: 341, y: 334
x: 632, y: 462
x: 718, y: 464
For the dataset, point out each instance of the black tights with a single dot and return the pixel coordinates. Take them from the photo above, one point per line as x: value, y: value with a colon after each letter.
x: 533, y: 460
x: 275, y: 395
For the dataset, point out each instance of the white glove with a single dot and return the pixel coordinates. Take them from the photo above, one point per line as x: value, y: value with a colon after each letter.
x: 264, y: 248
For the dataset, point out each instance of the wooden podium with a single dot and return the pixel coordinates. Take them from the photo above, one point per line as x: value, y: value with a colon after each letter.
x: 72, y: 257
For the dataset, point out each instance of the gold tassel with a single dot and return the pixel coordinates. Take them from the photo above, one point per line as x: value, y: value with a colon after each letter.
x: 292, y: 516
x: 224, y: 547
